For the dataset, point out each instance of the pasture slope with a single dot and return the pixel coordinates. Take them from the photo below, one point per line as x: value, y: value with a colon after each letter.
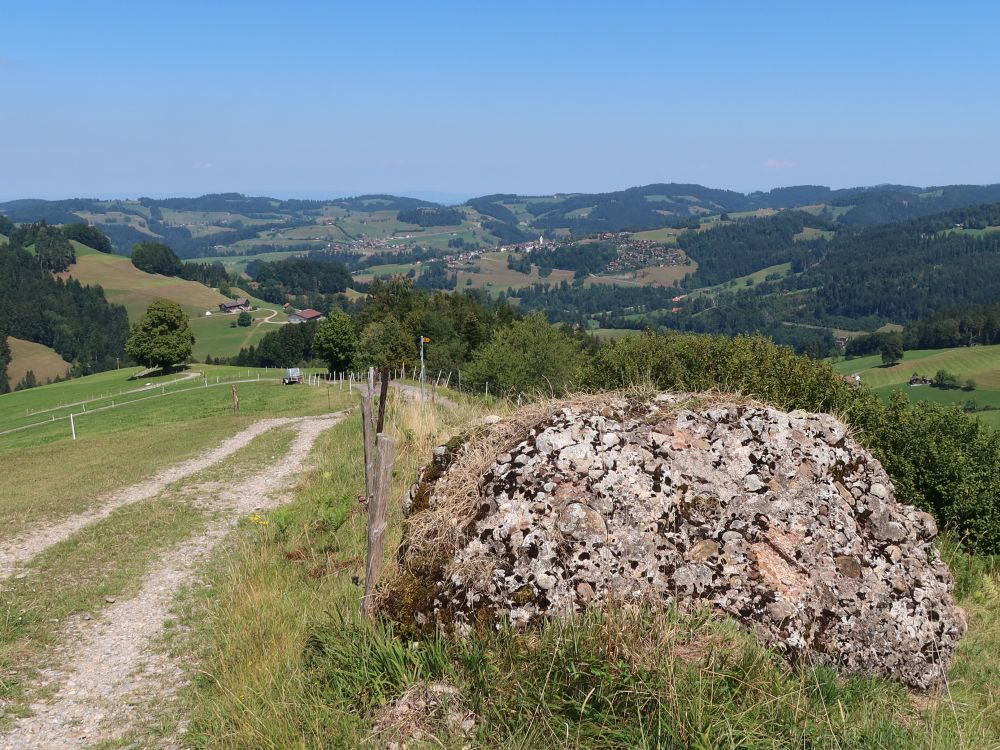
x: 39, y: 359
x: 978, y: 363
x: 124, y: 284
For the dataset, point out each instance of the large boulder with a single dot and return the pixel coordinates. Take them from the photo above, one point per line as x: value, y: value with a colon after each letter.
x: 780, y: 520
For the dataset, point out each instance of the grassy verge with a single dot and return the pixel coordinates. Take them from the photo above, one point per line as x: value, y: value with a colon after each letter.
x: 283, y: 658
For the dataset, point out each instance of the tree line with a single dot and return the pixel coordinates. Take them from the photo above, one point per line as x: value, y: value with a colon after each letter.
x: 960, y: 326
x: 431, y: 217
x: 4, y: 360
x: 312, y: 279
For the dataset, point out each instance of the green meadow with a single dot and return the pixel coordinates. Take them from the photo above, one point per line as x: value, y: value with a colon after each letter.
x: 978, y: 363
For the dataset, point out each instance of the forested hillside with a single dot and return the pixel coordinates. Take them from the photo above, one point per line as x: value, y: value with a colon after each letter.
x: 675, y: 256
x: 74, y: 320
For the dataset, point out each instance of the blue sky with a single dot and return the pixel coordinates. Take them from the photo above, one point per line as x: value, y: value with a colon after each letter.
x: 119, y: 99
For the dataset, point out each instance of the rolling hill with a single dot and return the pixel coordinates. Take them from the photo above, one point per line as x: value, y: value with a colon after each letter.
x: 235, y: 225
x: 39, y: 359
x: 124, y: 284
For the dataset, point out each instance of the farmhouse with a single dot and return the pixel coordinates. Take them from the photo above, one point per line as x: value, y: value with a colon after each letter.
x: 237, y: 304
x: 302, y: 316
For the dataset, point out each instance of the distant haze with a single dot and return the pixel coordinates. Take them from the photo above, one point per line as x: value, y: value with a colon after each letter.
x: 446, y: 100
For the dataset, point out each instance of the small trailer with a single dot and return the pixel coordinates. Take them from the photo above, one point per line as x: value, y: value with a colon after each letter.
x: 293, y: 375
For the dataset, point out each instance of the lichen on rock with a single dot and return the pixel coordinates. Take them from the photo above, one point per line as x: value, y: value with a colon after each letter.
x: 780, y: 520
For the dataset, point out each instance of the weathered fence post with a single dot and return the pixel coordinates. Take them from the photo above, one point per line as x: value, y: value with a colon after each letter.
x: 382, y: 398
x: 368, y: 436
x: 378, y: 507
x: 236, y: 401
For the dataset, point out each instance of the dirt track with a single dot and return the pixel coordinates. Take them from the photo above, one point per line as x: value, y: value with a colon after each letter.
x: 109, y: 674
x: 21, y: 549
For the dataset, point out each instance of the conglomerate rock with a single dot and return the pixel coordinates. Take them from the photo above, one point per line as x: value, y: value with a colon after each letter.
x: 781, y: 520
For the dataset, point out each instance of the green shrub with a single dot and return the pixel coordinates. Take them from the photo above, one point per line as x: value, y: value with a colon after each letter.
x: 940, y: 459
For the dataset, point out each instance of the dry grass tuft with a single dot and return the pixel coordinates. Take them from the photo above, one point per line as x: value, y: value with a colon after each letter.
x: 431, y: 713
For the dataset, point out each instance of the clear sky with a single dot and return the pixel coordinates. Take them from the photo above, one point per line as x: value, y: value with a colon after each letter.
x: 117, y: 99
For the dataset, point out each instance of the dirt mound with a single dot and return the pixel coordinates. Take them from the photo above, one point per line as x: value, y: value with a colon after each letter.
x: 780, y: 520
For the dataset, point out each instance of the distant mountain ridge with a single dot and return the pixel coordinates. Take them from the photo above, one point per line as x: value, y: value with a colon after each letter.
x: 209, y: 224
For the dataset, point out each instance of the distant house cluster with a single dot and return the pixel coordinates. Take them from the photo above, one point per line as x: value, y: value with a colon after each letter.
x: 528, y: 247
x: 235, y: 305
x: 304, y: 316
x: 457, y: 260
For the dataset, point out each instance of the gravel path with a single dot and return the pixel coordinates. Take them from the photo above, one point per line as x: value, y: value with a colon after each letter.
x: 110, y: 674
x: 22, y: 548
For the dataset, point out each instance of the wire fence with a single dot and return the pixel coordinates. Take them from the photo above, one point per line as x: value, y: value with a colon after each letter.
x: 127, y: 398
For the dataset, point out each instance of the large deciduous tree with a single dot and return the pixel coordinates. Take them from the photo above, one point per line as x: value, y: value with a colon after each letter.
x: 336, y: 342
x: 530, y: 356
x: 162, y: 338
x: 891, y: 349
x: 385, y: 343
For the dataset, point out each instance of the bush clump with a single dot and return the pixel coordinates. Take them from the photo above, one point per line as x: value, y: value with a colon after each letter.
x: 941, y: 459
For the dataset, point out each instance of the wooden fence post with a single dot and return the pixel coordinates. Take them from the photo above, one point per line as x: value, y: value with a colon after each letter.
x: 378, y: 507
x: 382, y: 398
x: 368, y: 435
x: 236, y: 401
